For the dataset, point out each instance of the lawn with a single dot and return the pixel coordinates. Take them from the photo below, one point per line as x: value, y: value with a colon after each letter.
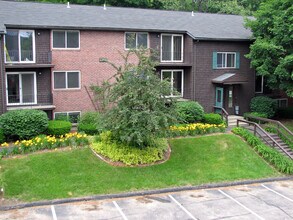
x: 194, y: 161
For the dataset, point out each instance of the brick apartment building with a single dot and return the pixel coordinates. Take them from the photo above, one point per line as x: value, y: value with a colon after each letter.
x: 51, y: 54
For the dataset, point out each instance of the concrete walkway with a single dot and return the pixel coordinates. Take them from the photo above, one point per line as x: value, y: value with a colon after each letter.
x: 272, y: 200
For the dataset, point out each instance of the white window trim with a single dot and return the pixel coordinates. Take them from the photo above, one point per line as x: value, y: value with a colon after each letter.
x: 20, y: 87
x: 282, y: 99
x: 226, y: 54
x: 66, y: 80
x: 65, y: 48
x: 136, y: 39
x: 172, y: 54
x: 19, y: 48
x: 182, y: 80
x: 262, y: 83
x: 67, y: 113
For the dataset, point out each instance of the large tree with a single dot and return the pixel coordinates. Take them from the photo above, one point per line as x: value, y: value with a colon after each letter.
x: 271, y: 53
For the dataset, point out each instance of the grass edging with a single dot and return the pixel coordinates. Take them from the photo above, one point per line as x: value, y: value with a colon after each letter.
x: 272, y: 156
x: 143, y: 193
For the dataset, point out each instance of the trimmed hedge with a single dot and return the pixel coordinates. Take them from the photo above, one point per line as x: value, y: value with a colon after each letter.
x: 23, y: 124
x: 189, y: 111
x: 129, y: 155
x: 212, y: 118
x: 2, y: 136
x: 58, y: 128
x: 271, y: 155
x: 90, y: 123
x: 263, y: 104
x: 90, y: 129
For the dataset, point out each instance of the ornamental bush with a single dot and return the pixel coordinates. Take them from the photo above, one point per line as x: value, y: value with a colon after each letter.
x: 2, y: 136
x: 189, y: 112
x: 263, y: 104
x: 212, y: 118
x: 23, y: 124
x: 90, y: 123
x: 58, y: 128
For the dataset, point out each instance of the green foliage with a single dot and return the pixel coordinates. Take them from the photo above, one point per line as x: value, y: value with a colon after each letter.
x: 129, y: 155
x: 90, y: 123
x: 212, y: 118
x: 263, y: 105
x: 271, y: 155
x: 59, y: 128
x: 285, y: 112
x: 23, y: 124
x: 141, y: 108
x: 189, y: 111
x: 271, y: 52
x: 2, y: 136
x: 247, y: 115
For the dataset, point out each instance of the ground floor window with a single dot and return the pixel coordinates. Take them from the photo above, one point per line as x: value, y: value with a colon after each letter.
x: 71, y: 116
x: 176, y: 78
x: 259, y: 84
x: 21, y: 88
x: 282, y: 103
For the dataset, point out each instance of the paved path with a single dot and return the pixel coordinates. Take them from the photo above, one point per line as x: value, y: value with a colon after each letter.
x: 272, y: 200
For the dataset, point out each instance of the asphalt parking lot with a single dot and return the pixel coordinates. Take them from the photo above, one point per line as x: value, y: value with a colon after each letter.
x: 273, y: 200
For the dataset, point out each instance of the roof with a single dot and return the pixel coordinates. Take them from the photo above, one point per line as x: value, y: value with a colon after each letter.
x: 229, y: 79
x: 47, y: 15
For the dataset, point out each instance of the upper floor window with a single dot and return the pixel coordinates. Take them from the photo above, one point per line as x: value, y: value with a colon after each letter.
x: 65, y: 39
x: 66, y: 80
x: 225, y: 60
x: 136, y: 40
x: 171, y: 48
x: 175, y: 77
x: 19, y: 46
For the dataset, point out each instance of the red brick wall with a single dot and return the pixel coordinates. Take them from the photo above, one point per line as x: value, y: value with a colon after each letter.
x: 93, y: 46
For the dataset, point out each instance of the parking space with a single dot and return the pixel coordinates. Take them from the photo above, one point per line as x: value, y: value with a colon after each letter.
x: 272, y: 200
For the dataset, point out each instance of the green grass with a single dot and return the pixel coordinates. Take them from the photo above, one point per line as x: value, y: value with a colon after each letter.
x: 288, y: 123
x: 78, y: 172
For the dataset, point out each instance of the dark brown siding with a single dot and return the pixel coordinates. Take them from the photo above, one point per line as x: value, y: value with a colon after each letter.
x: 204, y: 91
x: 2, y: 79
x: 43, y: 54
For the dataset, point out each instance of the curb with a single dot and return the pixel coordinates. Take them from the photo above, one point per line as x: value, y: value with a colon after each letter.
x: 142, y: 193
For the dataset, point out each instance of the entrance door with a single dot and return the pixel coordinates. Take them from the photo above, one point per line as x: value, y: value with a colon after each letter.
x: 219, y: 97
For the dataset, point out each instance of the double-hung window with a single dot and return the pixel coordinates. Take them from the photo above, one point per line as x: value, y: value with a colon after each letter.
x: 176, y: 78
x: 19, y: 46
x: 21, y: 88
x: 135, y: 40
x: 65, y: 39
x: 70, y: 116
x: 223, y: 60
x: 66, y: 80
x: 171, y: 48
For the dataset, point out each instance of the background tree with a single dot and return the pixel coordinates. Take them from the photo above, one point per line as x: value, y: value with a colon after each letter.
x: 140, y: 108
x: 272, y: 52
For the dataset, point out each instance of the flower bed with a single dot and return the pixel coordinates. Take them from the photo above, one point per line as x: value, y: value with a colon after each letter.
x: 43, y: 142
x: 195, y: 129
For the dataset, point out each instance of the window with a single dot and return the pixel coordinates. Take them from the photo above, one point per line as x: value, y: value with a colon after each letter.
x: 259, y: 84
x: 136, y: 40
x: 21, y: 88
x: 70, y: 116
x: 171, y: 48
x: 226, y: 60
x: 66, y: 39
x: 175, y: 77
x: 19, y: 46
x: 282, y: 103
x: 67, y: 80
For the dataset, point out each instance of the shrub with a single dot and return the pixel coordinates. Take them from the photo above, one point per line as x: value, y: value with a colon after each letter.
x: 23, y: 124
x: 271, y: 155
x: 129, y: 155
x: 263, y: 104
x: 90, y: 123
x: 212, y: 118
x: 2, y: 136
x: 189, y: 112
x: 285, y: 112
x: 90, y: 129
x: 59, y: 128
x: 254, y: 114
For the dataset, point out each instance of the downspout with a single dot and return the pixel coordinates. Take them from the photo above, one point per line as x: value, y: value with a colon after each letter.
x: 2, y: 75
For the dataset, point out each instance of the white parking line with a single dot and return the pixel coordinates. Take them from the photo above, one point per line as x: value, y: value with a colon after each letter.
x: 277, y: 192
x: 184, y: 209
x: 252, y: 212
x: 120, y: 210
x: 53, y: 212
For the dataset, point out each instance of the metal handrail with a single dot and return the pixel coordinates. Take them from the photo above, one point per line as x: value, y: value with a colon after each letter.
x: 224, y: 113
x: 278, y: 123
x: 255, y: 125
